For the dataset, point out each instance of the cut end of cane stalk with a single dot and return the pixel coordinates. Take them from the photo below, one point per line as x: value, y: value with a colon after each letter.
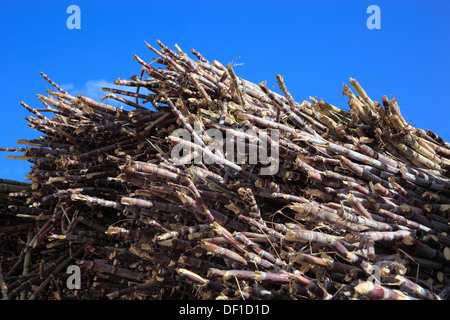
x: 364, y: 287
x: 191, y: 276
x: 409, y: 240
x: 447, y: 253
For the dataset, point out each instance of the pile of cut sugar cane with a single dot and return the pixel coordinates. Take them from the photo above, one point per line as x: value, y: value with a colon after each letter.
x: 202, y: 185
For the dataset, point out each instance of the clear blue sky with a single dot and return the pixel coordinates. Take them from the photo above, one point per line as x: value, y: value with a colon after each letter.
x: 316, y: 45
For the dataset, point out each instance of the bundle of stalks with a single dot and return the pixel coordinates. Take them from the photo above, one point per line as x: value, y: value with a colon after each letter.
x: 356, y: 207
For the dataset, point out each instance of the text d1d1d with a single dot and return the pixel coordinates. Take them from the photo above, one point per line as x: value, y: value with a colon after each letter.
x: 247, y: 309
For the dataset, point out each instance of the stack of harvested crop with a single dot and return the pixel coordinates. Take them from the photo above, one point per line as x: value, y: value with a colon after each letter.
x: 203, y: 179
